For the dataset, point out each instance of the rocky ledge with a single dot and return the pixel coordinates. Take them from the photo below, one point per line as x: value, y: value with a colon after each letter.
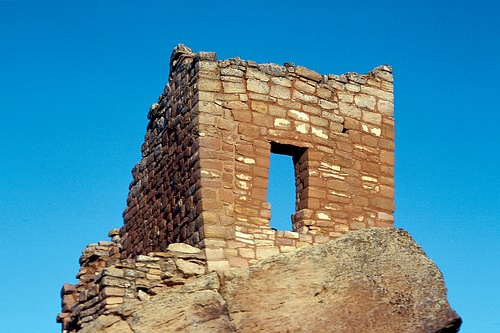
x: 371, y: 280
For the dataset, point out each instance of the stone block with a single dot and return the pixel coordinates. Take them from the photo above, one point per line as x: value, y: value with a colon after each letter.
x: 264, y: 252
x: 383, y: 203
x: 112, y: 301
x: 218, y: 266
x: 189, y: 268
x: 112, y: 271
x: 258, y: 86
x: 304, y: 87
x: 229, y: 71
x: 112, y: 292
x: 238, y: 262
x: 280, y: 92
x: 248, y: 253
x: 385, y: 107
x: 287, y: 248
x: 209, y: 85
x: 308, y: 74
x: 183, y: 248
x: 365, y: 101
x: 378, y: 93
x: 323, y: 93
x: 304, y: 97
x: 214, y: 254
x: 349, y: 110
x: 387, y: 157
x: 259, y: 106
x: 233, y: 87
x: 372, y: 117
x: 385, y: 216
x: 298, y: 115
x: 257, y: 74
x: 327, y: 105
x: 282, y: 81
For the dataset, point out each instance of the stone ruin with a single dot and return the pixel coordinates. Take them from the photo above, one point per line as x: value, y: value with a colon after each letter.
x: 203, y: 176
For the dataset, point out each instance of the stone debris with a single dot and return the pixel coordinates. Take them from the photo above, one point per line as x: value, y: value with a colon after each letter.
x: 106, y: 282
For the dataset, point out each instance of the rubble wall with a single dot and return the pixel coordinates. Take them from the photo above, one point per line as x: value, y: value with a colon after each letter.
x: 107, y: 283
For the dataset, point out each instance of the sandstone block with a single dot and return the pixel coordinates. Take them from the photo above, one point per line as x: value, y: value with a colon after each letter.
x: 258, y: 86
x: 365, y: 101
x: 265, y: 252
x: 372, y: 117
x: 209, y: 85
x: 189, y: 268
x: 349, y: 110
x: 304, y: 97
x: 378, y: 93
x: 231, y: 72
x: 281, y: 81
x: 327, y: 105
x: 280, y: 92
x: 385, y: 107
x: 304, y: 87
x: 238, y: 262
x: 233, y: 87
x: 111, y: 292
x: 257, y: 74
x: 218, y: 266
x: 298, y: 115
x: 183, y: 248
x: 308, y: 74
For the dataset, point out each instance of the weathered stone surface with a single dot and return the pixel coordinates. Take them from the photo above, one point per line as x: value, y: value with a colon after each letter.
x: 195, y: 307
x: 371, y: 280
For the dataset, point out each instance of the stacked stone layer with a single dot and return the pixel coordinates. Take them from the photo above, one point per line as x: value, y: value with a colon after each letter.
x: 107, y: 283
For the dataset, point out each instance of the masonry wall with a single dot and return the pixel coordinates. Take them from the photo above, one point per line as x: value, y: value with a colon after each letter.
x: 339, y: 130
x: 204, y: 174
x: 163, y: 205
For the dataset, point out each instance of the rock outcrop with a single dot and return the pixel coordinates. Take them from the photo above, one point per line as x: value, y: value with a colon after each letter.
x: 371, y: 280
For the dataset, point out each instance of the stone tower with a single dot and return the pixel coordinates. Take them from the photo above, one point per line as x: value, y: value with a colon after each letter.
x: 203, y: 177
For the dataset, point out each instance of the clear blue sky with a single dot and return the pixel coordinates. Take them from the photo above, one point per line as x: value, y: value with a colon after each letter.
x: 77, y: 79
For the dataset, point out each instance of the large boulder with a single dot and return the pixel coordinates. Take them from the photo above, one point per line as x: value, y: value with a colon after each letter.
x: 371, y: 280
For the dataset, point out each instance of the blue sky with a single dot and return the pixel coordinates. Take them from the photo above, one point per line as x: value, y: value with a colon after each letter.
x: 77, y: 79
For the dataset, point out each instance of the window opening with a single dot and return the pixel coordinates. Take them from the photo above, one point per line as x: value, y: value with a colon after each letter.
x: 282, y: 184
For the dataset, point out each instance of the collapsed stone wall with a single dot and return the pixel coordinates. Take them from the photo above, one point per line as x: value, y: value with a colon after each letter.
x: 106, y: 282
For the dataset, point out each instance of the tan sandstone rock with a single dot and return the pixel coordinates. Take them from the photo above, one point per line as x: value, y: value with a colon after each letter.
x: 371, y: 280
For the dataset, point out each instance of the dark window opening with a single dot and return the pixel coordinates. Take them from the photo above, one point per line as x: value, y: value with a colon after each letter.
x: 283, y: 184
